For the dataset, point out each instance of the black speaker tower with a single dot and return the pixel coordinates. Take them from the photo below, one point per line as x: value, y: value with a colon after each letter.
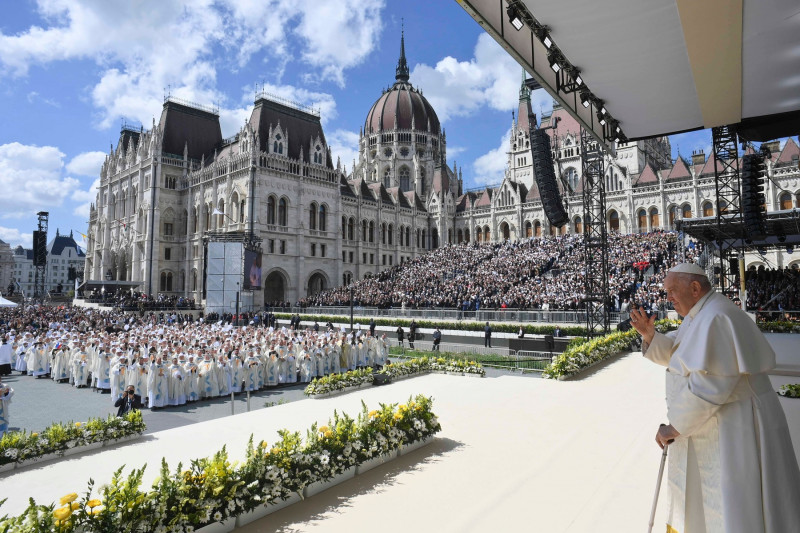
x: 546, y: 178
x: 753, y: 176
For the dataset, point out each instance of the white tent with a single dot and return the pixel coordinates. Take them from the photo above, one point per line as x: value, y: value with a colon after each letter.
x: 6, y: 303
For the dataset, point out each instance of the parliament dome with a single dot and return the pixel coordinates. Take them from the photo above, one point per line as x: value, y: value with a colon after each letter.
x: 402, y: 107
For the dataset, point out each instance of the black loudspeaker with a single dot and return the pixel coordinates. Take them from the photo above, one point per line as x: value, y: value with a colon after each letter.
x: 753, y: 178
x: 734, y: 265
x: 39, y: 248
x: 546, y: 178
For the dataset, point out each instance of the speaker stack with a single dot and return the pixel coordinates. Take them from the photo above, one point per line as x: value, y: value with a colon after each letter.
x: 546, y: 178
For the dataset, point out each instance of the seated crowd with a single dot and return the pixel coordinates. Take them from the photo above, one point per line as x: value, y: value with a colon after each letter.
x: 773, y: 289
x: 174, y: 362
x: 537, y: 273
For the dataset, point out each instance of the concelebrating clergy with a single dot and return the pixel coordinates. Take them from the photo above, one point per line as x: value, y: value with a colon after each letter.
x: 732, y: 466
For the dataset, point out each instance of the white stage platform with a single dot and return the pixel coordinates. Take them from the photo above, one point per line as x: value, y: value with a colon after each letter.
x: 515, y: 454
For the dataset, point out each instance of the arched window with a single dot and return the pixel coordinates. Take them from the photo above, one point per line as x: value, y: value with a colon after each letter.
x: 654, y: 220
x: 194, y: 280
x: 405, y: 182
x: 434, y: 238
x: 282, y: 212
x: 166, y: 282
x: 613, y: 220
x: 478, y: 234
x: 642, y: 219
x: 708, y: 209
x: 241, y: 212
x: 578, y: 225
x: 371, y: 231
x: 687, y: 211
x: 408, y: 236
x: 460, y: 236
x: 785, y: 201
x: 208, y: 217
x: 271, y: 210
x: 424, y: 240
x: 797, y: 199
x: 312, y: 216
x: 194, y: 219
x: 571, y: 175
x: 221, y: 215
x: 323, y: 218
x: 466, y: 235
x: 486, y: 235
x: 528, y: 229
x: 344, y: 228
x: 537, y: 229
x: 390, y: 232
x: 673, y: 214
x: 383, y: 233
x: 364, y: 230
x: 351, y: 229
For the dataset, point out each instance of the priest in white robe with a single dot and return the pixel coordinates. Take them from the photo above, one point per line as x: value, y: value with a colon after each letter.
x: 732, y: 466
x: 6, y: 393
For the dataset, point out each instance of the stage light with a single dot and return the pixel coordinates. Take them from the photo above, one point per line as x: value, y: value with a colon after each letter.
x: 576, y: 76
x: 553, y: 60
x: 586, y: 99
x: 547, y: 41
x: 601, y: 118
x: 602, y: 110
x: 514, y: 18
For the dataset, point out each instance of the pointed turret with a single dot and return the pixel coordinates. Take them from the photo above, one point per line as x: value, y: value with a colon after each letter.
x: 401, y: 73
x: 524, y: 110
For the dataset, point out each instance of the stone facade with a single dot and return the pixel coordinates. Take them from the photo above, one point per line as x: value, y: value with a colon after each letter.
x: 165, y: 191
x: 63, y: 254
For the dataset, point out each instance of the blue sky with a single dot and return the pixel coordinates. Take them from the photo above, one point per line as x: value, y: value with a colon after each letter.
x: 72, y: 70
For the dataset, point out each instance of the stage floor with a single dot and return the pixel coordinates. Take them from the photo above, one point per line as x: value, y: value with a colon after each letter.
x: 515, y: 454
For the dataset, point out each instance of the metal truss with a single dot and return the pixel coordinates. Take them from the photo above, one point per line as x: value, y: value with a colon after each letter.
x: 729, y: 212
x: 595, y: 235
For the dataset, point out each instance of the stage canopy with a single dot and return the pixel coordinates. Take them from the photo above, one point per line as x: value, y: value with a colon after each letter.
x: 660, y: 66
x: 6, y: 303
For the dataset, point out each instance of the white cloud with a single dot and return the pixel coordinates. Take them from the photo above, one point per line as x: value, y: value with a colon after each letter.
x: 458, y: 88
x: 87, y: 163
x: 344, y: 145
x: 178, y: 46
x: 15, y: 238
x: 31, y: 179
x: 85, y: 197
x: 490, y: 167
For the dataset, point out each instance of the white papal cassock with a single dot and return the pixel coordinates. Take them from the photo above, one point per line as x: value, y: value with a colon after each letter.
x: 733, y: 469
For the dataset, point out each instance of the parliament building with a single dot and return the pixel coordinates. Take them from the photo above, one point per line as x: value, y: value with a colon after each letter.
x: 165, y: 192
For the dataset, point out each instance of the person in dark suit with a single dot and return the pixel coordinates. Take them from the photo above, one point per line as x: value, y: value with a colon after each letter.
x: 412, y: 333
x: 487, y: 336
x: 372, y: 325
x: 128, y: 402
x: 437, y: 339
x: 401, y: 335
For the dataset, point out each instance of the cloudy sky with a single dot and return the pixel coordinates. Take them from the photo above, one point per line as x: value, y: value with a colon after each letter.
x: 71, y: 71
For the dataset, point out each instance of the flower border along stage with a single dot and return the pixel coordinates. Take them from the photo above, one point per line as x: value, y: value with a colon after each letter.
x: 579, y: 357
x: 59, y: 438
x: 212, y: 491
x: 354, y: 379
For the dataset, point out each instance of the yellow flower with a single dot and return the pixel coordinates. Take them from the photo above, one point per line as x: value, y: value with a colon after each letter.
x: 93, y: 503
x: 62, y: 513
x: 75, y: 506
x: 34, y: 434
x: 323, y: 429
x: 69, y: 498
x: 77, y: 424
x: 398, y: 416
x: 263, y: 444
x: 97, y: 510
x: 373, y: 414
x: 328, y: 433
x: 402, y: 407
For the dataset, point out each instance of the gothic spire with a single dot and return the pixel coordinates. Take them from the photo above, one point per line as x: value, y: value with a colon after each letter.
x: 524, y: 92
x: 401, y: 73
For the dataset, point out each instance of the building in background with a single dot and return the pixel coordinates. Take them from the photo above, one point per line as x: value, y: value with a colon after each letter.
x: 165, y: 192
x: 65, y: 263
x: 6, y: 267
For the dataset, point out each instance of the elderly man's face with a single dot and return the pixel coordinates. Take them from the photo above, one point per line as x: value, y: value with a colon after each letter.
x: 682, y: 292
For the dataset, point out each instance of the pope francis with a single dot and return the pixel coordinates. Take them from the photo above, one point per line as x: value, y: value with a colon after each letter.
x: 732, y: 467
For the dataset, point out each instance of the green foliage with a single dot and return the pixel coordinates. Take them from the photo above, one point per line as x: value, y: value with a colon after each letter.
x: 18, y: 446
x: 212, y: 489
x: 790, y: 391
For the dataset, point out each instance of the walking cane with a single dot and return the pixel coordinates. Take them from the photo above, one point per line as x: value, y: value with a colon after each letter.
x: 658, y: 487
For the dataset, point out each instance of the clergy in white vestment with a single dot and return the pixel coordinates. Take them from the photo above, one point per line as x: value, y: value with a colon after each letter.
x: 191, y: 381
x: 103, y: 369
x: 237, y: 372
x: 40, y: 363
x: 177, y: 391
x: 157, y: 384
x: 6, y: 393
x: 119, y: 378
x: 6, y: 355
x: 209, y: 386
x: 138, y: 377
x: 80, y: 367
x: 732, y: 466
x: 251, y: 371
x: 224, y: 376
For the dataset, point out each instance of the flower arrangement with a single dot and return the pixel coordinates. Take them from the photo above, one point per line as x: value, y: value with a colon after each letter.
x: 790, y: 391
x: 578, y: 357
x: 214, y: 490
x: 420, y: 365
x: 18, y: 446
x: 337, y: 382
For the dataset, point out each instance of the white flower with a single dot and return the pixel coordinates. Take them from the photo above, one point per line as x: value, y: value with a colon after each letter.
x: 324, y: 459
x: 217, y: 516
